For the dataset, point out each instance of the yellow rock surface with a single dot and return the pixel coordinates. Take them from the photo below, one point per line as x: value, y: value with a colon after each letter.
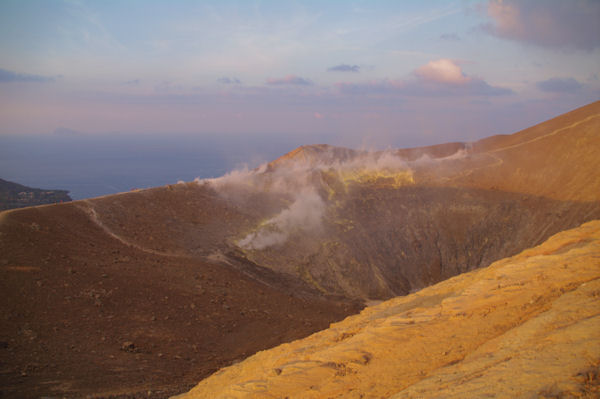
x: 526, y: 326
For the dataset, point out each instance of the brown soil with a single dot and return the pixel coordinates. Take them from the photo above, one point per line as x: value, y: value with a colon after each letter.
x: 84, y: 314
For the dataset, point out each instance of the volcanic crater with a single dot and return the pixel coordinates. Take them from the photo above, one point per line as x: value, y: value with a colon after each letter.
x: 145, y: 293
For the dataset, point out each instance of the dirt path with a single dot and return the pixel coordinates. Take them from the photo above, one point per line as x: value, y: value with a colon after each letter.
x: 498, y: 161
x: 88, y: 208
x: 554, y: 132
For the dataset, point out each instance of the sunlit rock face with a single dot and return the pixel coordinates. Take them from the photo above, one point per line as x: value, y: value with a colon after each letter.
x: 526, y: 326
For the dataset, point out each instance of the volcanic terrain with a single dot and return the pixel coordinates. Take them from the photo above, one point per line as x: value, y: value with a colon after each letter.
x: 146, y: 293
x: 525, y: 327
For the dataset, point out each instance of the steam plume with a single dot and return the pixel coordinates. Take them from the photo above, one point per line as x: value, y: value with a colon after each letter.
x: 298, y: 177
x: 305, y: 214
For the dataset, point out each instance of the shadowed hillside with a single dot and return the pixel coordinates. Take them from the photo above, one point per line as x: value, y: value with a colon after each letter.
x: 153, y: 290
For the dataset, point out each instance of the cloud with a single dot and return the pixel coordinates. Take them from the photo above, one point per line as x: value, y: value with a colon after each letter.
x: 318, y: 115
x: 344, y: 68
x: 133, y: 82
x: 438, y: 77
x: 548, y: 23
x: 289, y: 80
x: 10, y: 76
x: 559, y: 85
x: 227, y: 81
x: 450, y: 37
x: 442, y: 71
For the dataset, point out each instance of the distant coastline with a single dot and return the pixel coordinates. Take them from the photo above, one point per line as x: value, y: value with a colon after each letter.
x: 91, y: 166
x: 14, y: 195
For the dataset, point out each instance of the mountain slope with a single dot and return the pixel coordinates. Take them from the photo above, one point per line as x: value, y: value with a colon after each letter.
x: 552, y: 159
x: 526, y: 326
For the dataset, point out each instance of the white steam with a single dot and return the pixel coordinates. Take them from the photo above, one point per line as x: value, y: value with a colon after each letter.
x: 426, y: 159
x: 299, y: 179
x: 305, y: 214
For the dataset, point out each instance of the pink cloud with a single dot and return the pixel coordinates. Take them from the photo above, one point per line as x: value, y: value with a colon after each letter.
x: 438, y: 77
x: 442, y: 71
x: 318, y: 115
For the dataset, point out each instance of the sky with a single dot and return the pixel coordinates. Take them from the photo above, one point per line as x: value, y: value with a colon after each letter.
x: 353, y: 73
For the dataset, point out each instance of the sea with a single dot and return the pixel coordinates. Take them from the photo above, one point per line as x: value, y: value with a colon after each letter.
x: 95, y: 165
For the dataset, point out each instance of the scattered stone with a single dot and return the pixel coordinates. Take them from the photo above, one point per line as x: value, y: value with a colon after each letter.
x: 129, y: 346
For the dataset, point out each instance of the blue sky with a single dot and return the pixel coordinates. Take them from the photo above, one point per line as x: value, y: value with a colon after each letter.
x: 355, y: 73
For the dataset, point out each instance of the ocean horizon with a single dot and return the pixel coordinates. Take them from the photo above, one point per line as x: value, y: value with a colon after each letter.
x: 92, y: 166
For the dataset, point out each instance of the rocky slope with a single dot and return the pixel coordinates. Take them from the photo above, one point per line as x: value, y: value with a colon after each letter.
x: 526, y: 326
x: 85, y: 313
